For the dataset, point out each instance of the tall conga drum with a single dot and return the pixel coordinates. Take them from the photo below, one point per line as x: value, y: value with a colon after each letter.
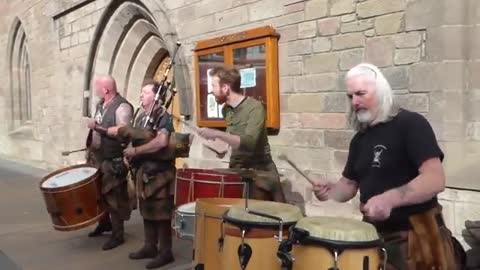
x: 251, y: 241
x: 191, y: 184
x: 73, y: 197
x: 208, y: 230
x: 324, y: 243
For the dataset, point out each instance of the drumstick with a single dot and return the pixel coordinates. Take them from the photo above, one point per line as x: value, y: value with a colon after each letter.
x: 285, y: 158
x: 66, y: 153
x: 219, y: 153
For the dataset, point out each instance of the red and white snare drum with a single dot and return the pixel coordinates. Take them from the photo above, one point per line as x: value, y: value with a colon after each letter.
x: 191, y: 184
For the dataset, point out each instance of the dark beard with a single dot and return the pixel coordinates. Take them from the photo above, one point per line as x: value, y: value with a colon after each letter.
x: 220, y: 99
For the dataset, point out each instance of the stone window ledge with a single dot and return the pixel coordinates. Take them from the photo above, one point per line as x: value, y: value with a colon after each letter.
x: 23, y: 132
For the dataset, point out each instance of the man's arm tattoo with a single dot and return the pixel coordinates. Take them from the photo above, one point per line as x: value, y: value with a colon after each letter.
x: 123, y: 114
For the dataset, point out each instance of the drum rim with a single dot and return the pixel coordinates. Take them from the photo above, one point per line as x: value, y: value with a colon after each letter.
x: 254, y: 224
x: 336, y: 244
x: 205, y: 172
x: 179, y: 210
x: 73, y: 185
x: 78, y: 226
x: 212, y: 182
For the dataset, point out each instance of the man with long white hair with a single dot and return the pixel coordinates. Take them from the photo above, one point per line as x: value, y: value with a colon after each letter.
x: 395, y: 162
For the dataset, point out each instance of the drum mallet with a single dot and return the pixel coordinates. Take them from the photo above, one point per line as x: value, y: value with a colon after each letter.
x: 285, y: 158
x: 66, y: 153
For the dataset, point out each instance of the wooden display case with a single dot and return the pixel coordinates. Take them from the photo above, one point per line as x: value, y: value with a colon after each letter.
x: 255, y: 54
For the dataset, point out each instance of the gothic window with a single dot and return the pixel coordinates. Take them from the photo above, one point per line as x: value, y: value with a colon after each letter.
x: 20, y: 78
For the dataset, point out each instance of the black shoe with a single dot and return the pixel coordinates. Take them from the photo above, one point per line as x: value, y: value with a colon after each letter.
x: 113, y: 243
x: 100, y: 229
x: 163, y: 258
x: 144, y: 253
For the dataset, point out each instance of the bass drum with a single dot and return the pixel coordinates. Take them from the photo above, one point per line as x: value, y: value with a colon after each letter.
x: 73, y: 197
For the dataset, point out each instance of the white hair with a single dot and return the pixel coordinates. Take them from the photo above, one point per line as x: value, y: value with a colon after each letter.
x: 386, y: 107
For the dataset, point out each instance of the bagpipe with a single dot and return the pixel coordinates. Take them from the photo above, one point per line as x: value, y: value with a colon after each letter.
x: 179, y: 143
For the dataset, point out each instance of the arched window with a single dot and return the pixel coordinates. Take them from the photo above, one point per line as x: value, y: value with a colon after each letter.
x: 20, y: 78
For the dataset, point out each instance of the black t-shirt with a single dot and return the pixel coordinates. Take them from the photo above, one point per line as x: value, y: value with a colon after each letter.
x: 388, y: 156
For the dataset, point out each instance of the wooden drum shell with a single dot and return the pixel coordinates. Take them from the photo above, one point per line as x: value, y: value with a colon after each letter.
x: 74, y: 206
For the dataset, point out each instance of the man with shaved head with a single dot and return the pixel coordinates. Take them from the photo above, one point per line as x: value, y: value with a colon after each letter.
x: 112, y: 112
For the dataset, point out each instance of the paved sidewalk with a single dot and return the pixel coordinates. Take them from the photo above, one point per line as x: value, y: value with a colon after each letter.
x: 29, y: 242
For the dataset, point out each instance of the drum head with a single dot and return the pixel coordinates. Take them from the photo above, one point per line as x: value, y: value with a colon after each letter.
x: 289, y: 214
x: 336, y: 231
x: 187, y: 208
x: 69, y: 177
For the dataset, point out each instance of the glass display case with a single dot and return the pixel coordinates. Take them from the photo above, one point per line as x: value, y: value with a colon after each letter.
x: 255, y: 54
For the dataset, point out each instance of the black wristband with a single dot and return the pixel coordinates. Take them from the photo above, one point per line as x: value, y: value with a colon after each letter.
x: 100, y: 129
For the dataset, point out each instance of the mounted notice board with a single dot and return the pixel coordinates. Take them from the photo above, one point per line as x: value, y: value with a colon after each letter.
x: 255, y: 54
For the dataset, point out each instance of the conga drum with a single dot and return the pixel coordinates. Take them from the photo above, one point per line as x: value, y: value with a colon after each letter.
x: 251, y: 241
x: 192, y: 184
x: 208, y: 230
x: 324, y: 243
x: 73, y: 197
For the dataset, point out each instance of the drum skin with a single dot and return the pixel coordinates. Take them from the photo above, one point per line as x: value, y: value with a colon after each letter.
x: 208, y: 230
x: 74, y: 206
x: 357, y: 244
x: 192, y: 184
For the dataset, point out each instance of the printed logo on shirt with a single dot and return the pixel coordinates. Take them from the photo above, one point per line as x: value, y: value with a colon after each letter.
x: 377, y: 155
x: 99, y: 117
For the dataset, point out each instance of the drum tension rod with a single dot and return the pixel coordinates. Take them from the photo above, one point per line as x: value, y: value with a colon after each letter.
x: 384, y: 258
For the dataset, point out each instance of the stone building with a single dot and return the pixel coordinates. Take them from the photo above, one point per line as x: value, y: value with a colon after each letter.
x: 428, y: 49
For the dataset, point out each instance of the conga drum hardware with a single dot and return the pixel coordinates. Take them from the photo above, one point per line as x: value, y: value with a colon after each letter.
x: 251, y: 236
x: 208, y: 223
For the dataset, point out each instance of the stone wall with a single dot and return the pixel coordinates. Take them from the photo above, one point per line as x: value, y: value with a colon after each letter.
x: 428, y: 50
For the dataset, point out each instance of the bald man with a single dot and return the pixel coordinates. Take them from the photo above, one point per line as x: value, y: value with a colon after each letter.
x: 112, y: 112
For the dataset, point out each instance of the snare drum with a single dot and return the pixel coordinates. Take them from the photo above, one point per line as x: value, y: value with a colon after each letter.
x: 184, y: 223
x: 73, y: 197
x: 191, y: 184
x: 324, y: 243
x: 251, y: 241
x: 208, y: 220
